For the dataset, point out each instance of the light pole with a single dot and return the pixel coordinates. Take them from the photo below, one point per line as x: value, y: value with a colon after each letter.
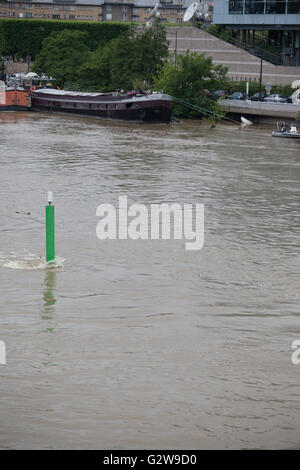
x: 260, y: 77
x: 175, y: 49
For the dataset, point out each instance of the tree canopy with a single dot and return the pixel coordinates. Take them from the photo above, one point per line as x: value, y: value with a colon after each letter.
x: 62, y: 54
x: 135, y: 56
x: 192, y: 79
x: 22, y: 37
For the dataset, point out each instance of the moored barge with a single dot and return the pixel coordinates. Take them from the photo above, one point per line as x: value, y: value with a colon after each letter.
x: 14, y: 99
x: 131, y: 106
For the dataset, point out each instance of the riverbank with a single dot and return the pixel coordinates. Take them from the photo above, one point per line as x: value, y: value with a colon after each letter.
x: 261, y: 112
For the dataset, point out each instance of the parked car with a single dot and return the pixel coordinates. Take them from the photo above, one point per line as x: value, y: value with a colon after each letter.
x: 237, y: 95
x: 289, y: 99
x: 275, y: 99
x: 220, y: 93
x: 256, y: 97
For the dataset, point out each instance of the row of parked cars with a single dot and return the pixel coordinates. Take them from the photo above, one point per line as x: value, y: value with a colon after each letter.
x: 238, y: 95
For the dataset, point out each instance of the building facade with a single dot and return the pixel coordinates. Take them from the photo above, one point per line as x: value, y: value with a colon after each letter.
x: 260, y: 14
x: 171, y: 11
x: 279, y: 18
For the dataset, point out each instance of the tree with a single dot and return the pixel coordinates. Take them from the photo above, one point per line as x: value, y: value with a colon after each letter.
x: 135, y: 56
x: 20, y: 37
x: 193, y: 80
x: 61, y: 55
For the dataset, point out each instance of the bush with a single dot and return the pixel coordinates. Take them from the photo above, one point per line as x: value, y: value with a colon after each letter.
x: 191, y: 82
x: 22, y: 37
x: 230, y: 87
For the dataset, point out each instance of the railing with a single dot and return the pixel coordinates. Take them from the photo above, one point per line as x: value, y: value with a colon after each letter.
x: 273, y: 54
x: 69, y: 86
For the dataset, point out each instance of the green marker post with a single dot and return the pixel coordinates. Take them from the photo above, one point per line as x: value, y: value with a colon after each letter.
x: 50, y: 238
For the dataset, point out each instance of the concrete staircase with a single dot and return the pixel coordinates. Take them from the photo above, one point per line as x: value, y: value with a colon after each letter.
x: 241, y: 65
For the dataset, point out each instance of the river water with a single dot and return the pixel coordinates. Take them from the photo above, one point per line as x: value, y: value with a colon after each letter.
x: 142, y: 344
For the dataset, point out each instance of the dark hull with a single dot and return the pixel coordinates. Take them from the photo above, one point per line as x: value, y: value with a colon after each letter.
x: 148, y: 115
x: 14, y: 107
x: 153, y: 108
x: 286, y: 135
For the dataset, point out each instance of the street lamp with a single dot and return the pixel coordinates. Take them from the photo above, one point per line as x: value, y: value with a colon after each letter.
x: 175, y: 49
x: 260, y: 77
x: 261, y: 70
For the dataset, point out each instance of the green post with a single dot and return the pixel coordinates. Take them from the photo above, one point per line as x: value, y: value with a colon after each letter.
x: 50, y: 239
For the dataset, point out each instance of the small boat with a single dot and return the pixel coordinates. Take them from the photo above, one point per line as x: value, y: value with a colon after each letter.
x: 132, y: 106
x: 292, y: 132
x: 14, y: 99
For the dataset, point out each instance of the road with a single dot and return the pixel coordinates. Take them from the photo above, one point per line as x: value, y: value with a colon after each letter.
x: 278, y: 110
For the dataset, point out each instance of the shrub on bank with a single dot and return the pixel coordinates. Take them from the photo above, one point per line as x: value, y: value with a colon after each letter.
x: 230, y: 87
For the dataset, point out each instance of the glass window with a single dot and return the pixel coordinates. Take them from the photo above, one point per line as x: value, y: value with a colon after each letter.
x: 108, y: 7
x: 254, y: 7
x: 108, y: 16
x: 275, y: 6
x: 293, y: 6
x: 236, y: 6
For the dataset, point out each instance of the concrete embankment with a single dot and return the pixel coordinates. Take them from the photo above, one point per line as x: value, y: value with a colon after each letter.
x: 15, y: 67
x: 262, y: 112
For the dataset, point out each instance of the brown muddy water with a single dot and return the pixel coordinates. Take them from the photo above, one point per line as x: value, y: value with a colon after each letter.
x: 142, y: 344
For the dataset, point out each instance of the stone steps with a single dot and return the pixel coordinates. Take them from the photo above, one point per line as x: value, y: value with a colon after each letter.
x: 241, y: 64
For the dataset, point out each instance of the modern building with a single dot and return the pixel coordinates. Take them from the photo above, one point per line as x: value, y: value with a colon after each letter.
x: 280, y: 18
x: 171, y: 11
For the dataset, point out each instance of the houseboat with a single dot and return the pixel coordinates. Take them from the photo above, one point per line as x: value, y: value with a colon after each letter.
x: 14, y: 99
x: 132, y: 106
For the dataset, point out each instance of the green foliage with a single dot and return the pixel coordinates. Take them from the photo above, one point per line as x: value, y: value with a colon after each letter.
x: 220, y: 32
x: 192, y: 79
x: 230, y: 87
x: 20, y: 37
x: 132, y: 57
x: 284, y: 90
x: 61, y: 55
